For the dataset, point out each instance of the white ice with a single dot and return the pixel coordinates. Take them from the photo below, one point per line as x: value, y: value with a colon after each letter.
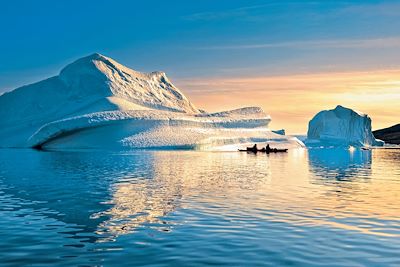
x: 341, y: 127
x: 96, y: 102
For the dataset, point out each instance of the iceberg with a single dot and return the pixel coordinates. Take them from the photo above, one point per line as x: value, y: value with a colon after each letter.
x: 341, y: 127
x: 97, y: 103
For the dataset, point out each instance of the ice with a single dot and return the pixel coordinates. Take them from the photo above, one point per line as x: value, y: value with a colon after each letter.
x: 157, y: 129
x: 341, y: 127
x: 281, y: 131
x: 96, y: 102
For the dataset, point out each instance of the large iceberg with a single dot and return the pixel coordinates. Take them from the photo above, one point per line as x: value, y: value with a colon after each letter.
x: 96, y: 102
x: 341, y: 127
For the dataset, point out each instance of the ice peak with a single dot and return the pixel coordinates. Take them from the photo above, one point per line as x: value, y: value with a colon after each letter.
x: 94, y: 56
x: 341, y: 109
x: 83, y: 63
x: 97, y: 74
x: 91, y: 60
x: 158, y: 73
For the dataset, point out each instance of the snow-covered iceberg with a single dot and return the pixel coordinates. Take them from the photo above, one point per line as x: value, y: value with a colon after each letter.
x: 96, y: 102
x: 341, y: 127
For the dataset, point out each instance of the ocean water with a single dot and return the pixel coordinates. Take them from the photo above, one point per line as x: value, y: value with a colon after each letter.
x: 317, y: 207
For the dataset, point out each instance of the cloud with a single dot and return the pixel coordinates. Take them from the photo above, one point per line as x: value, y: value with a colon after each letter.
x: 264, y: 10
x: 376, y: 9
x: 251, y: 12
x: 217, y: 15
x: 385, y: 42
x: 336, y: 81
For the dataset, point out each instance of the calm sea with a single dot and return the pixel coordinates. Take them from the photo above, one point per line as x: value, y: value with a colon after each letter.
x: 317, y: 207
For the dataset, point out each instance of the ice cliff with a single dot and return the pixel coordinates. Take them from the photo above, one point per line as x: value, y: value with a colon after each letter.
x: 96, y: 102
x: 341, y: 127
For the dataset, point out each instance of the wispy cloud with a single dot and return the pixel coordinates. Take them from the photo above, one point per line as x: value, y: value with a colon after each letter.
x: 341, y: 9
x: 217, y: 15
x: 250, y: 12
x: 372, y: 9
x: 315, y: 44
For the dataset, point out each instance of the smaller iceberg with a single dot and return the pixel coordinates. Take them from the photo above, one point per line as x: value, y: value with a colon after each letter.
x: 341, y: 127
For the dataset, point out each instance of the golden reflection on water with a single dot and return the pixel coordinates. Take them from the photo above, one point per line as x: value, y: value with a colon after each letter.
x: 336, y: 189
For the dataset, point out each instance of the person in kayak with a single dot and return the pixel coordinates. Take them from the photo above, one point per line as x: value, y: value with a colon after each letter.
x: 254, y: 148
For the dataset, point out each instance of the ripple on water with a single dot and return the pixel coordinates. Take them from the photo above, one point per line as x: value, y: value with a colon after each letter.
x: 163, y: 208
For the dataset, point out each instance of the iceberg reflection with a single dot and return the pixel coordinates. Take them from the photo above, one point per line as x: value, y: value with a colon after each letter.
x: 108, y: 194
x: 340, y: 164
x: 139, y: 202
x: 68, y: 186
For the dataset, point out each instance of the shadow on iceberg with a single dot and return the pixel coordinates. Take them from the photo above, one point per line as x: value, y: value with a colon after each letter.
x: 339, y: 164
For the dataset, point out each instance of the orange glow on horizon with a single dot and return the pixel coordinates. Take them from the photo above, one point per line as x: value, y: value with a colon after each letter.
x: 292, y: 100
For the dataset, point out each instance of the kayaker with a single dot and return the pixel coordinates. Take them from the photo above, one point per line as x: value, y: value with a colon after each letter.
x: 254, y: 148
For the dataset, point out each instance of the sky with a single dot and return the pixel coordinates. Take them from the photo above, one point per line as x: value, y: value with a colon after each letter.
x: 292, y: 58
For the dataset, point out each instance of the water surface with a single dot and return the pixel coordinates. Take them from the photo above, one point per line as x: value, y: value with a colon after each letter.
x: 321, y: 207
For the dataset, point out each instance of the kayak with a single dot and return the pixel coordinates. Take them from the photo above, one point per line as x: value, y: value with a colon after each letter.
x: 272, y: 150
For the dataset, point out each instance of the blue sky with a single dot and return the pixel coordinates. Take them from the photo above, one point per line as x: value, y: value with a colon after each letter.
x: 197, y: 38
x: 194, y: 40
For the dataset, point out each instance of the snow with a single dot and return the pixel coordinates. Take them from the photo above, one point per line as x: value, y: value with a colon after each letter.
x: 161, y: 129
x: 254, y: 111
x: 99, y: 74
x: 96, y: 102
x: 341, y: 127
